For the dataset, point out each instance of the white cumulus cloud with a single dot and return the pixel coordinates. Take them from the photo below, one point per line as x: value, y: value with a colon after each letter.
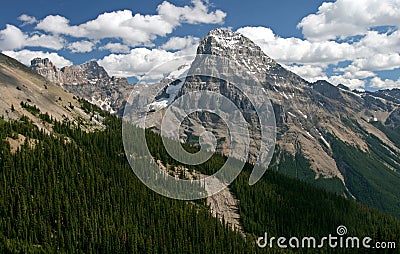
x: 27, y: 20
x: 308, y: 72
x: 45, y: 41
x: 295, y: 50
x: 387, y: 83
x: 378, y: 62
x: 345, y: 18
x: 12, y: 38
x: 81, y: 46
x: 179, y: 43
x: 138, y: 62
x: 25, y: 56
x: 115, y: 47
x: 134, y: 29
x: 196, y: 14
x: 152, y: 63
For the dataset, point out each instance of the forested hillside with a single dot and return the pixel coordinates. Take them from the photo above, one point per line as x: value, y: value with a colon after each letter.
x: 74, y: 191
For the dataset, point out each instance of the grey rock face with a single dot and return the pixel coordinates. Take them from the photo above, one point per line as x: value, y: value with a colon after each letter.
x: 89, y: 81
x: 392, y: 95
x: 327, y: 89
x: 306, y: 114
x: 110, y: 95
x: 90, y: 72
x: 47, y: 69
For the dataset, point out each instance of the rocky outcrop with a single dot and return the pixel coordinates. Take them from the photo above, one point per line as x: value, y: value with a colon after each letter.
x: 110, y: 95
x: 90, y: 72
x: 89, y: 81
x: 389, y: 94
x: 48, y: 70
x: 306, y: 114
x: 87, y: 73
x: 296, y: 104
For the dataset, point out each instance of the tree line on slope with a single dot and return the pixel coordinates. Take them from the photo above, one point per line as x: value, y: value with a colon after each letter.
x: 74, y: 191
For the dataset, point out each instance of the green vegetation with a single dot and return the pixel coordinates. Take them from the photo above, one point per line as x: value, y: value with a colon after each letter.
x: 36, y: 112
x: 80, y: 195
x: 75, y: 192
x: 90, y: 108
x: 283, y: 206
x: 30, y: 108
x: 46, y: 118
x: 371, y: 176
x: 368, y: 176
x: 299, y: 167
x: 392, y: 133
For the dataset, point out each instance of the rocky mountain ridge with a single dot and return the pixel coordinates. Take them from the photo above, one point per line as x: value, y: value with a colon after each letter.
x: 317, y: 123
x: 89, y: 81
x: 27, y: 94
x: 304, y: 112
x: 310, y: 117
x: 88, y: 73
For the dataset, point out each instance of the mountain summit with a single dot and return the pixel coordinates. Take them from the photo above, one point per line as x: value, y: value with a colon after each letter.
x: 87, y: 73
x: 225, y: 43
x: 89, y: 81
x: 297, y: 105
x: 345, y: 141
x: 320, y: 127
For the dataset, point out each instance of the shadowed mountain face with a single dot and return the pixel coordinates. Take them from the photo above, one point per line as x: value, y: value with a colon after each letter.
x: 324, y: 125
x: 306, y: 114
x: 343, y: 140
x: 393, y: 94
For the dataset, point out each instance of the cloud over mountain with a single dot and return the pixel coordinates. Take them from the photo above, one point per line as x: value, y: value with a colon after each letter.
x: 345, y: 41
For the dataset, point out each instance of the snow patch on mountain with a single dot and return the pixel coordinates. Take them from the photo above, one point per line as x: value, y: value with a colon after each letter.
x: 172, y: 89
x: 103, y: 104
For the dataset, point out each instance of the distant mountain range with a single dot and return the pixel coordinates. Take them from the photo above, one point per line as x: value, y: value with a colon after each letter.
x: 349, y: 140
x: 89, y: 81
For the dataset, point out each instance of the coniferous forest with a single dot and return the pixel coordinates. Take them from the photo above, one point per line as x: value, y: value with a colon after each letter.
x: 74, y: 192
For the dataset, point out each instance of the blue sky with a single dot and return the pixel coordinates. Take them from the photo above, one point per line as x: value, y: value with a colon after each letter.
x: 356, y: 43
